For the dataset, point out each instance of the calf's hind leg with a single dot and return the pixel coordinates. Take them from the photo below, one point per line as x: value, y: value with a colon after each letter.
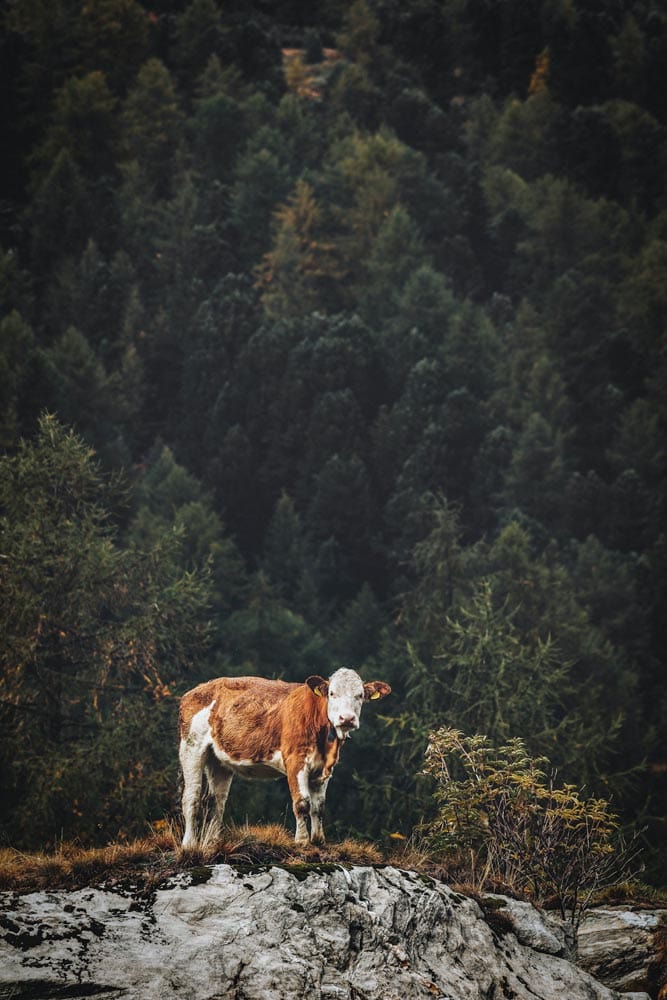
x: 219, y: 781
x: 192, y: 757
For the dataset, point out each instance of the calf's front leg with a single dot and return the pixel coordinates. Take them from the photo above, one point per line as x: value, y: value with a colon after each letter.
x: 318, y: 792
x: 297, y: 779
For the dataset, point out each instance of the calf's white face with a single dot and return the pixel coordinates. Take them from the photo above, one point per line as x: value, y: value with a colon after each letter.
x: 345, y: 698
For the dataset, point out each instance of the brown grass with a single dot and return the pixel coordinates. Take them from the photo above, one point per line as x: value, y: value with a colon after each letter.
x: 71, y: 865
x: 142, y: 865
x: 146, y: 862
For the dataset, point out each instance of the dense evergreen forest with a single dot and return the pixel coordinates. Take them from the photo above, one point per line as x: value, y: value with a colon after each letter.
x: 331, y: 333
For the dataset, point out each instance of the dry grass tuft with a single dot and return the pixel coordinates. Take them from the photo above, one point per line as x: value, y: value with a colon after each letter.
x: 68, y: 867
x: 410, y: 857
x: 72, y: 865
x: 275, y: 841
x: 358, y: 852
x: 145, y: 862
x: 141, y: 865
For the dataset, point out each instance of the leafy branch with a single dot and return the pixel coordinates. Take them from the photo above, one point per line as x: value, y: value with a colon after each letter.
x: 501, y: 810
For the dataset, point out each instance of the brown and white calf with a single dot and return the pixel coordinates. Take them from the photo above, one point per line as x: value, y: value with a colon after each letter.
x: 259, y: 728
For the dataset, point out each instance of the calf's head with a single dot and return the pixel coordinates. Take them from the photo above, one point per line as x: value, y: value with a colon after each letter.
x: 345, y: 693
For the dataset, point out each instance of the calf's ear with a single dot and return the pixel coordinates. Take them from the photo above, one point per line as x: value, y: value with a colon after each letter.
x: 318, y: 685
x: 376, y: 689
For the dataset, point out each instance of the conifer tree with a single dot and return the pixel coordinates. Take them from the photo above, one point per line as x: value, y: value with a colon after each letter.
x: 96, y: 637
x: 298, y: 274
x: 152, y: 124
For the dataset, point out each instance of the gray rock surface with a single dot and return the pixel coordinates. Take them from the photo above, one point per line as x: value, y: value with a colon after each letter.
x: 333, y: 934
x: 537, y: 929
x: 626, y: 948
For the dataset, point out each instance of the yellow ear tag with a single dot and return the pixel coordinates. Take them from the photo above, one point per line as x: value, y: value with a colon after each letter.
x: 318, y: 691
x: 375, y: 696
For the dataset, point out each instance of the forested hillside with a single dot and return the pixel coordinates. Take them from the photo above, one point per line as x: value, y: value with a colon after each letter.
x: 331, y: 333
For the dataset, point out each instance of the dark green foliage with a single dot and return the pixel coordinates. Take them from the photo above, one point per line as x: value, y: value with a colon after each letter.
x: 380, y: 340
x: 312, y: 45
x: 199, y: 33
x: 19, y: 366
x: 96, y: 636
x: 60, y: 214
x: 84, y: 124
x: 151, y: 128
x: 509, y: 821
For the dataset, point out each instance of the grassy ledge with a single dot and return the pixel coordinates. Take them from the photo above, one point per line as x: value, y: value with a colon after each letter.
x: 143, y: 865
x: 150, y: 860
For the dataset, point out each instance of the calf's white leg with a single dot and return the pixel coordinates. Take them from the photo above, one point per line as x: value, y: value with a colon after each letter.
x: 318, y: 791
x: 219, y: 781
x: 300, y: 792
x: 193, y: 752
x: 192, y: 757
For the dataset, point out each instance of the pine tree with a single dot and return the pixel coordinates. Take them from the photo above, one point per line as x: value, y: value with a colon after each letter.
x: 297, y: 275
x: 96, y: 637
x: 152, y: 125
x: 17, y: 376
x: 83, y: 123
x: 60, y: 216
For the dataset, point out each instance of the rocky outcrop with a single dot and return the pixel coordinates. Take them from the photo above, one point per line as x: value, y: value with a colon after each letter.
x: 222, y: 933
x: 626, y: 948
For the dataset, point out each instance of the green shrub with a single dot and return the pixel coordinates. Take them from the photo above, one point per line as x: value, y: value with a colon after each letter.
x: 500, y: 813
